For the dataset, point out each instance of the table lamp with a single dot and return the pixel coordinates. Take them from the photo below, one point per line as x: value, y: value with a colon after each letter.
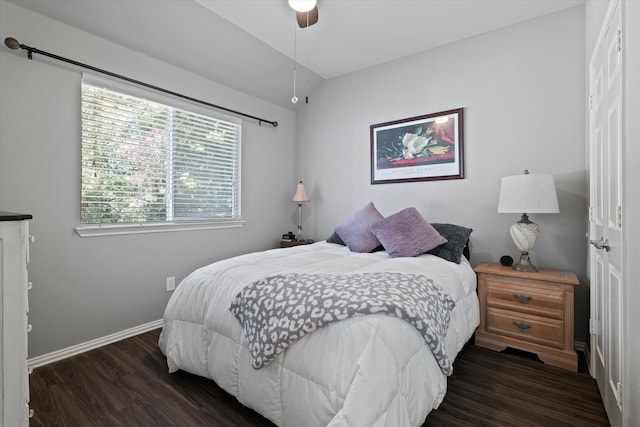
x: 300, y: 197
x: 527, y: 193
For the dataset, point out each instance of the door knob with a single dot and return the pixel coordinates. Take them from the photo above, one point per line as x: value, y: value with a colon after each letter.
x: 601, y: 244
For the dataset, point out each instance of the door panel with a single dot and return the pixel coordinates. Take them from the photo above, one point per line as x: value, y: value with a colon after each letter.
x: 596, y: 313
x: 615, y: 359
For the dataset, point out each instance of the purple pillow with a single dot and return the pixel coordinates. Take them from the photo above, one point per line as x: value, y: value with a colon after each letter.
x: 406, y: 234
x: 356, y: 231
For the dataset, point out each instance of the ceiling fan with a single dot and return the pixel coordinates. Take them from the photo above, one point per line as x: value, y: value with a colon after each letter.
x: 306, y: 12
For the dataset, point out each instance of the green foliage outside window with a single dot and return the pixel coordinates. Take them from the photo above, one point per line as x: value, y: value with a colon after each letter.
x: 147, y: 162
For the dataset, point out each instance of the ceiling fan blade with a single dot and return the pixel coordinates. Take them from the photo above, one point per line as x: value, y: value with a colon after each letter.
x: 307, y: 19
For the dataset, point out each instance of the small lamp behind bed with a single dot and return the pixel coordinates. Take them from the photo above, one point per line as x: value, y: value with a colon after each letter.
x: 527, y: 193
x: 300, y: 197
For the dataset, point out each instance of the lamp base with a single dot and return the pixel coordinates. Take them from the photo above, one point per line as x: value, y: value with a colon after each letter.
x: 524, y: 264
x: 299, y: 234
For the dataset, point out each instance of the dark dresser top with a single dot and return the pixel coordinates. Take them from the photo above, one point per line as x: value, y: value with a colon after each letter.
x: 10, y: 216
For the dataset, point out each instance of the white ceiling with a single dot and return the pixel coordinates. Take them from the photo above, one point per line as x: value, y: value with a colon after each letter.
x: 354, y: 34
x: 249, y: 44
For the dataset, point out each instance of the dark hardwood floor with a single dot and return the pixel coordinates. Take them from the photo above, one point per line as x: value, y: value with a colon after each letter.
x: 127, y: 384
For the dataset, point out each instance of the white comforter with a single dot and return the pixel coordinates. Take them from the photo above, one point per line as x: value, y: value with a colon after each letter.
x: 373, y: 370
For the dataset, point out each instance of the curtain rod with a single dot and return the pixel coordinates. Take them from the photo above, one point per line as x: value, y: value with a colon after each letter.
x: 14, y: 44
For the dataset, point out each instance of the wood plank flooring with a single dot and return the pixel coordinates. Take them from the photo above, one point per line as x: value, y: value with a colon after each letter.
x: 127, y: 384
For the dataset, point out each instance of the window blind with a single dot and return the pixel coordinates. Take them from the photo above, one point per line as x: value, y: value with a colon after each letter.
x: 155, y: 159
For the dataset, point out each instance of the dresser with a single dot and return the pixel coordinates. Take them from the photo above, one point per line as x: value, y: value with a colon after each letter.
x: 528, y: 311
x: 14, y: 286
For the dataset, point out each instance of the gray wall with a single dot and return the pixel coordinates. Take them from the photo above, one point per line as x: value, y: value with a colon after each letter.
x: 87, y: 288
x: 523, y: 93
x: 522, y: 89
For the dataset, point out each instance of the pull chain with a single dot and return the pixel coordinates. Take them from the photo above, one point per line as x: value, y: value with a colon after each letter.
x: 294, y: 99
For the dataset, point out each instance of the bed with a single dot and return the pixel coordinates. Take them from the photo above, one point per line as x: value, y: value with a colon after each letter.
x: 366, y: 370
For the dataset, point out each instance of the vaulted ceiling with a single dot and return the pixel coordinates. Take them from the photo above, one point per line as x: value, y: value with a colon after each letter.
x: 249, y: 44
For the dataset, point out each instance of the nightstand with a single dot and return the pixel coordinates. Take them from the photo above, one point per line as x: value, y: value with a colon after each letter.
x: 527, y: 311
x: 288, y: 244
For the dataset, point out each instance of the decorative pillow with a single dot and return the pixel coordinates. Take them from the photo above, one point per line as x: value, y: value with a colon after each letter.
x: 334, y: 238
x: 457, y: 238
x: 356, y: 231
x: 406, y: 234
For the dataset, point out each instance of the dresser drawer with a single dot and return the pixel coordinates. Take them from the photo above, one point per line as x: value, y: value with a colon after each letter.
x: 523, y: 297
x: 535, y: 329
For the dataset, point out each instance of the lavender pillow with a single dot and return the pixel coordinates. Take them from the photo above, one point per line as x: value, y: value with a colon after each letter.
x: 356, y: 231
x: 407, y: 234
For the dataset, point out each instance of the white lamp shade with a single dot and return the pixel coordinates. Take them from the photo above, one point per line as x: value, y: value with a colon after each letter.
x: 301, y: 194
x: 302, y: 5
x: 528, y: 193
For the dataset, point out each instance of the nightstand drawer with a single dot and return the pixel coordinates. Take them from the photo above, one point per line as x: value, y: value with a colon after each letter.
x: 525, y: 298
x: 534, y: 329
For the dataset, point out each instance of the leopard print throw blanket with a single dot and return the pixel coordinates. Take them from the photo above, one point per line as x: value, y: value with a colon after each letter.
x: 278, y: 310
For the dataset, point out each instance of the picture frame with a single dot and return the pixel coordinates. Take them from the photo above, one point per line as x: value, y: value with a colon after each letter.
x: 421, y: 148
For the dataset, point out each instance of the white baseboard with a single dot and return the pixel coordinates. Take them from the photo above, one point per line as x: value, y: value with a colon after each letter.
x: 58, y: 355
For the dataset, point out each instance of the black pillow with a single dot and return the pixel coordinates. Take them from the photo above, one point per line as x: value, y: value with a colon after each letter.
x: 457, y: 238
x: 334, y: 238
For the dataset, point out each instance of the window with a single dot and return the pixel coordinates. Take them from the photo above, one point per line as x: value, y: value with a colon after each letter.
x: 151, y: 159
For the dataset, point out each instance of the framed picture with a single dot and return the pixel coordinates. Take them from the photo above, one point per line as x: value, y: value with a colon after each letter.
x: 423, y: 148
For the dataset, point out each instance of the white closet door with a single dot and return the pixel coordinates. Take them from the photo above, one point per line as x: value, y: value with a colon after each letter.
x: 605, y: 217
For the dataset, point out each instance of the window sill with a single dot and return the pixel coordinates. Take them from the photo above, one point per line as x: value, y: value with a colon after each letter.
x: 112, y: 230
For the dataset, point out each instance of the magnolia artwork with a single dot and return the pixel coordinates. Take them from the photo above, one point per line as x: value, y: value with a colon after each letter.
x: 420, y: 148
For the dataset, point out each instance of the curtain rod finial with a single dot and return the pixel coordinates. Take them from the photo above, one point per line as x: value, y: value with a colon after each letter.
x: 12, y: 43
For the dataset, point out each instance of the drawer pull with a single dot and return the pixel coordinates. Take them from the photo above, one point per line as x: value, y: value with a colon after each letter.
x: 522, y: 299
x: 522, y: 326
